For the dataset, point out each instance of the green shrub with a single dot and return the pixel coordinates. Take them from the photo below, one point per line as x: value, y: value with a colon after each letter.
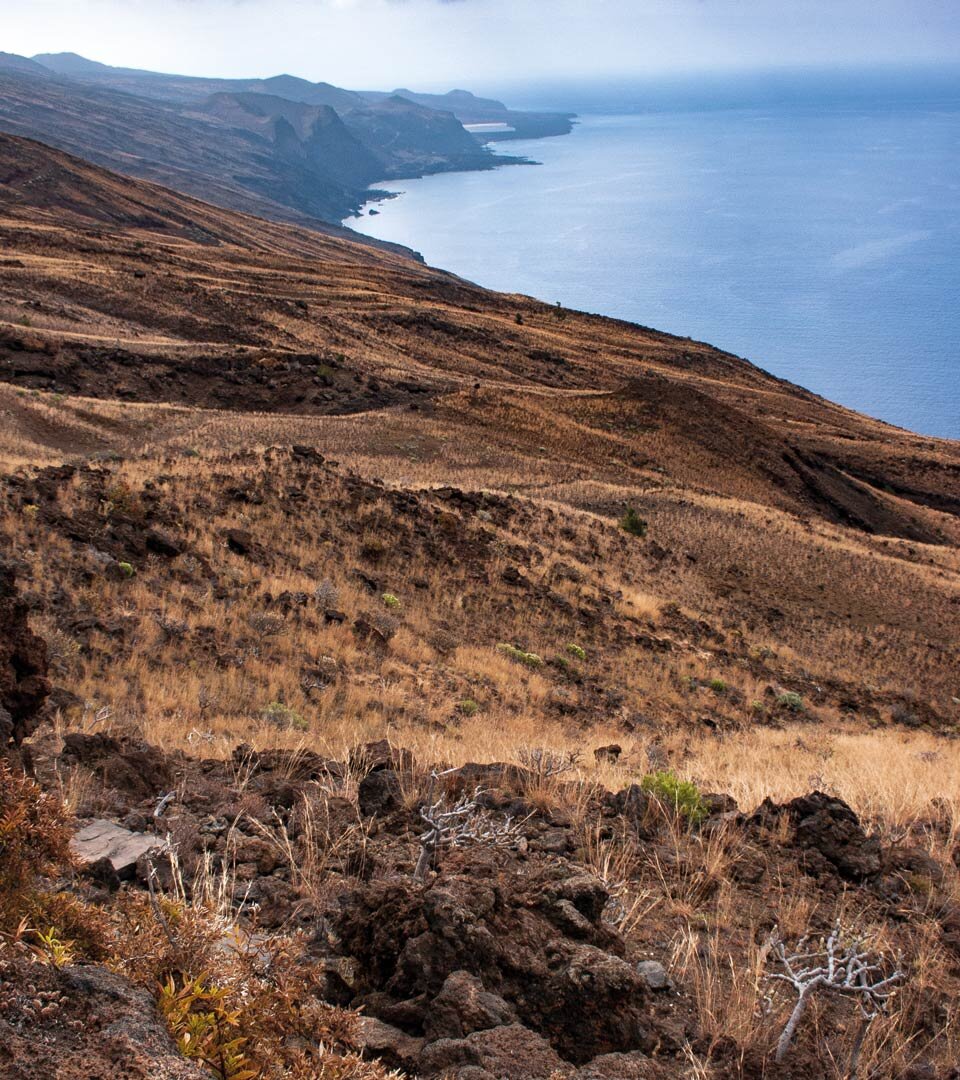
x: 528, y: 659
x: 718, y: 686
x: 633, y: 523
x: 282, y: 716
x: 390, y: 600
x: 468, y: 707
x: 791, y: 701
x: 126, y: 568
x: 681, y: 796
x: 577, y: 651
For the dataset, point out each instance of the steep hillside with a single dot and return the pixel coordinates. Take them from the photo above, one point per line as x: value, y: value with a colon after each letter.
x: 116, y: 290
x: 243, y: 145
x: 325, y: 544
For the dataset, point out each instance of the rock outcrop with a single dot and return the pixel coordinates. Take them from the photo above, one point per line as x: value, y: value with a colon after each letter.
x: 23, y: 666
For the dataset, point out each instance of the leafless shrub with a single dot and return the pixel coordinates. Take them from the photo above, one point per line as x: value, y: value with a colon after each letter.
x: 326, y: 594
x: 265, y: 626
x: 458, y: 825
x: 206, y: 700
x: 62, y: 651
x: 545, y: 763
x: 843, y: 964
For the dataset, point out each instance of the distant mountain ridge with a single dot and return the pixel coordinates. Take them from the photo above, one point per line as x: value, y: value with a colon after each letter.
x: 281, y: 147
x: 465, y: 106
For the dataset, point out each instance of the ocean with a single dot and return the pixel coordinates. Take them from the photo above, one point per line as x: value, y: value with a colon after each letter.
x: 815, y: 233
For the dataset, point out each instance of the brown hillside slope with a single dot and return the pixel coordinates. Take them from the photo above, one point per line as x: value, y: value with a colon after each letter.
x: 141, y: 323
x: 144, y: 294
x: 269, y: 497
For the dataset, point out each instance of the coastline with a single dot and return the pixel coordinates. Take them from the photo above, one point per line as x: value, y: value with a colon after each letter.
x: 641, y: 217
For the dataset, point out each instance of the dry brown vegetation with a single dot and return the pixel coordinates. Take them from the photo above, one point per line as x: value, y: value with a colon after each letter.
x: 211, y: 576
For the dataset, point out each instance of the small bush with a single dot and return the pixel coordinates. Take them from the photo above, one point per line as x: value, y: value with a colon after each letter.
x: 126, y: 569
x: 326, y: 594
x: 577, y: 651
x: 282, y: 716
x: 718, y: 686
x: 35, y: 832
x: 791, y: 701
x: 205, y: 1027
x: 468, y: 707
x: 681, y: 796
x: 632, y: 523
x: 528, y: 659
x: 391, y: 601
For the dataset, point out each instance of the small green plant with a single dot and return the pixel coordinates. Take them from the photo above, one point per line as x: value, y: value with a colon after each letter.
x: 528, y: 659
x: 204, y: 1027
x: 576, y: 651
x: 282, y: 716
x: 633, y: 523
x: 718, y: 686
x: 126, y: 569
x: 468, y: 707
x: 791, y: 701
x: 391, y: 601
x: 51, y: 949
x: 324, y: 373
x: 681, y: 796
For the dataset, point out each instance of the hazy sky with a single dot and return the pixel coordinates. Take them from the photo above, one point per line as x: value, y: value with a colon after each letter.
x: 427, y: 43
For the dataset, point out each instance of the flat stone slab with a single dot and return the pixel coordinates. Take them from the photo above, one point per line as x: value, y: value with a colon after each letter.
x: 108, y: 840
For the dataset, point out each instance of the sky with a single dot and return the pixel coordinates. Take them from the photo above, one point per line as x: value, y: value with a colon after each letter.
x: 434, y: 44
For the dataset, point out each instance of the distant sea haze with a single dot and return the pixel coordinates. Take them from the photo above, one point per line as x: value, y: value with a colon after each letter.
x: 817, y: 235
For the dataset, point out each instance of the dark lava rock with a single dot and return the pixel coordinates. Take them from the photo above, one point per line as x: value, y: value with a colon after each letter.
x: 829, y: 834
x: 23, y: 666
x: 463, y: 1007
x: 379, y: 793
x: 496, y: 924
x: 162, y: 544
x: 102, y: 1028
x: 132, y: 768
x: 513, y: 1052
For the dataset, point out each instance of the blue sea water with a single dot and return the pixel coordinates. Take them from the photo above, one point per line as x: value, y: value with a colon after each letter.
x: 816, y: 235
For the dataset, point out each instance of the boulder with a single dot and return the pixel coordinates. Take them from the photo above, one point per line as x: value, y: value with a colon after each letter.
x: 463, y: 1006
x: 97, y: 1025
x: 829, y: 835
x: 511, y: 1052
x: 120, y: 847
x: 632, y: 1066
x: 379, y: 793
x: 128, y: 766
x: 560, y: 975
x: 654, y: 974
x: 393, y: 1047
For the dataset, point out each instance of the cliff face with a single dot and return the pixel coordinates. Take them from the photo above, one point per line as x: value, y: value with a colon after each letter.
x: 282, y: 147
x: 409, y: 138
